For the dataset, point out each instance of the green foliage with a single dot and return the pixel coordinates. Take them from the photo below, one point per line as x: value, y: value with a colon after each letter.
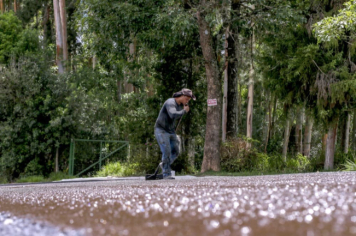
x: 55, y: 176
x: 303, y: 162
x: 33, y: 168
x: 262, y: 162
x: 232, y: 155
x: 3, y: 180
x: 120, y: 169
x: 341, y: 158
x: 111, y: 169
x: 235, y: 158
x: 40, y: 178
x: 131, y: 169
x: 10, y: 35
x: 31, y: 179
x: 350, y: 165
x: 333, y: 29
x: 41, y: 111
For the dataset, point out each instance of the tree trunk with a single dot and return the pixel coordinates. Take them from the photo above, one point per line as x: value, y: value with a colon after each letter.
x: 56, y: 161
x: 188, y: 141
x: 324, y: 141
x: 94, y: 61
x: 342, y: 129
x: 271, y: 132
x: 330, y: 147
x: 347, y: 133
x: 2, y: 6
x: 191, y: 153
x: 268, y: 119
x: 250, y: 93
x: 239, y: 106
x: 286, y: 135
x: 211, y: 159
x: 45, y: 18
x: 225, y: 101
x: 15, y: 6
x: 354, y: 132
x: 63, y: 14
x: 299, y: 130
x: 59, y: 37
x: 307, y: 135
x: 232, y: 72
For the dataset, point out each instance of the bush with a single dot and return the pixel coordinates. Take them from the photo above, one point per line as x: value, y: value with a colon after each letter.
x: 119, y: 169
x: 111, y: 169
x: 276, y: 162
x: 130, y: 169
x: 262, y: 162
x: 233, y: 155
x: 236, y: 158
x: 33, y: 168
x: 3, y: 180
x: 350, y: 165
x: 58, y: 176
x: 303, y: 162
x: 292, y: 164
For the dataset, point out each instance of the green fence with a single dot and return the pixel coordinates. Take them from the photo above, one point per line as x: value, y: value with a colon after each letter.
x: 87, y: 156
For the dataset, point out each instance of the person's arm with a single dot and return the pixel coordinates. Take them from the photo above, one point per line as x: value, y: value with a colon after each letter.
x: 172, y: 111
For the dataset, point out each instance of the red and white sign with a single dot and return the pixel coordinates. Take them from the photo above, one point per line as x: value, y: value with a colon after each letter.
x: 212, y: 102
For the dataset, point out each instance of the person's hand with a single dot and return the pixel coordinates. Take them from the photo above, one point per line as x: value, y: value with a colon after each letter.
x: 186, y: 108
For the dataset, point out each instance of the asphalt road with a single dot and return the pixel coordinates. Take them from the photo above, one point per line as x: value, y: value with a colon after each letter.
x: 297, y: 204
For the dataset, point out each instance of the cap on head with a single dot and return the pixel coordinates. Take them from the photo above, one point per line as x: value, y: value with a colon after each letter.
x: 185, y: 92
x: 189, y: 93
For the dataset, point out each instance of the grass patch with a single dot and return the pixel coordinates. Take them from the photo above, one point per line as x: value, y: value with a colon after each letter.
x: 58, y: 176
x: 31, y: 179
x: 39, y: 178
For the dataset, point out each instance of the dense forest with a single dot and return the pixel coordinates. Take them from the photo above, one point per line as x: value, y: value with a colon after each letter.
x: 282, y: 73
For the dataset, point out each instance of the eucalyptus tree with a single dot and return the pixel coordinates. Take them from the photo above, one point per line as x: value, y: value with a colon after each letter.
x: 309, y: 70
x: 336, y: 34
x: 232, y: 52
x: 165, y: 60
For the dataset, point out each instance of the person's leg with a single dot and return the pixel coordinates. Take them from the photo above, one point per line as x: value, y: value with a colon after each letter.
x: 174, y: 143
x: 164, y: 144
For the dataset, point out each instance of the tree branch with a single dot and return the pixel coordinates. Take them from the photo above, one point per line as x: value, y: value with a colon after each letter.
x: 318, y: 67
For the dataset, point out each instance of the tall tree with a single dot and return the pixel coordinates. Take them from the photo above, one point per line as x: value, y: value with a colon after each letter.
x: 60, y: 15
x: 346, y: 134
x: 336, y: 75
x: 211, y: 159
x: 299, y: 130
x: 287, y: 129
x: 232, y: 71
x: 330, y: 145
x: 2, y: 6
x: 63, y: 17
x: 353, y: 140
x: 59, y: 36
x: 251, y: 82
x: 308, y: 134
